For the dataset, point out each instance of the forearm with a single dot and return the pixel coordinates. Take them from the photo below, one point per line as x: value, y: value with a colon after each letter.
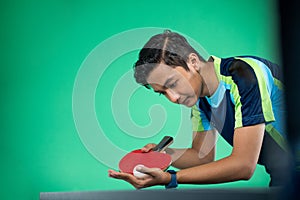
x: 240, y: 165
x: 185, y: 158
x: 225, y: 170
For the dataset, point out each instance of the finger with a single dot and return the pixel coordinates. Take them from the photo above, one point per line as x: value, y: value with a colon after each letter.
x: 148, y: 147
x: 112, y: 173
x: 115, y: 174
x: 135, y: 182
x: 150, y: 171
x: 120, y: 175
x: 138, y: 174
x: 157, y: 176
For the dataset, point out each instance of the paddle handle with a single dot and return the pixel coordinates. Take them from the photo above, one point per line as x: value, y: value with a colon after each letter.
x: 163, y: 144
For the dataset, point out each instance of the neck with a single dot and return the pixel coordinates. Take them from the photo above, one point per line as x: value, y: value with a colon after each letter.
x: 210, y: 78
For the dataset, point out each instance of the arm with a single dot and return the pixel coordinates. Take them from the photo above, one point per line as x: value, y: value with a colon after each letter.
x: 201, y: 152
x: 240, y: 165
x: 203, y: 146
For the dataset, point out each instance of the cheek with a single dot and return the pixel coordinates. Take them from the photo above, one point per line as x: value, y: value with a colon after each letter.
x: 188, y: 88
x: 189, y: 85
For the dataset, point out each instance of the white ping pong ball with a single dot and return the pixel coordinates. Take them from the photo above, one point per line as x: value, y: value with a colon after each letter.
x: 137, y: 173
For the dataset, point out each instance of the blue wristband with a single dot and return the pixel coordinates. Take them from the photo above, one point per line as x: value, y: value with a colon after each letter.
x: 173, y: 183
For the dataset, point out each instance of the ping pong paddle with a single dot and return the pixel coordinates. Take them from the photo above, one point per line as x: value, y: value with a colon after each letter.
x: 152, y: 159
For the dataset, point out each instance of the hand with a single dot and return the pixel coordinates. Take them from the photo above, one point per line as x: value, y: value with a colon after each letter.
x: 155, y: 177
x: 148, y: 147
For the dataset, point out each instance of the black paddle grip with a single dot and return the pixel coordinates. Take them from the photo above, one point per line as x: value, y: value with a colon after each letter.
x: 163, y: 144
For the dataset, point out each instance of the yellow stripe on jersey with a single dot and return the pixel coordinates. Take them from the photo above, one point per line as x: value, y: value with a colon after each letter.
x: 196, y: 120
x: 278, y: 83
x: 276, y: 136
x: 265, y: 96
x: 233, y: 90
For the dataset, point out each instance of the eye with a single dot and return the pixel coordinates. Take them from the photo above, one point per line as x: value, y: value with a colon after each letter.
x: 172, y: 85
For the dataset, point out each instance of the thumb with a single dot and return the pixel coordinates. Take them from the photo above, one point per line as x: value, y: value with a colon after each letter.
x: 150, y: 171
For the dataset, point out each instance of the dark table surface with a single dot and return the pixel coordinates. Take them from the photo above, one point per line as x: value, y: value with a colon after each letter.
x: 173, y: 194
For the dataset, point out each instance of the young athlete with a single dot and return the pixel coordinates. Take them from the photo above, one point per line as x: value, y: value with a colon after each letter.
x: 239, y: 97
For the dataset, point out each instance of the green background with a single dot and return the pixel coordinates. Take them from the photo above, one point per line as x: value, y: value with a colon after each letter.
x: 43, y: 45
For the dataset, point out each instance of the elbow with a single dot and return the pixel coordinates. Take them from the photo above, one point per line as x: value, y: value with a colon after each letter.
x: 208, y: 158
x: 244, y: 168
x: 247, y: 171
x: 205, y: 158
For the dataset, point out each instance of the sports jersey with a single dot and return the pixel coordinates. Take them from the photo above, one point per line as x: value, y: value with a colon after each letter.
x: 250, y: 92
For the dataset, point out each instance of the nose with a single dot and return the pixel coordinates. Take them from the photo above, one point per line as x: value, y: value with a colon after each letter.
x: 172, y: 95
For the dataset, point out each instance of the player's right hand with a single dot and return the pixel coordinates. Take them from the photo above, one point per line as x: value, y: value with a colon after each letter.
x: 148, y: 147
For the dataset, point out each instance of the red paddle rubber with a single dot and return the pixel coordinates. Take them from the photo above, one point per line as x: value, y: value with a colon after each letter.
x: 152, y: 159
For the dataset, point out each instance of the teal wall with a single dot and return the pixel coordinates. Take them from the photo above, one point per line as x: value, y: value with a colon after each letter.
x: 43, y: 46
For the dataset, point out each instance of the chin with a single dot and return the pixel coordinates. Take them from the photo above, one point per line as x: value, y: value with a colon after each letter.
x: 190, y: 102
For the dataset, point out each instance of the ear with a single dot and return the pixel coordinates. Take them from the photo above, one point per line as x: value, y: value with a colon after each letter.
x: 193, y: 62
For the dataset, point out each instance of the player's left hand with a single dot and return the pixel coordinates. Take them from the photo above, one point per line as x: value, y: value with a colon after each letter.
x: 155, y: 177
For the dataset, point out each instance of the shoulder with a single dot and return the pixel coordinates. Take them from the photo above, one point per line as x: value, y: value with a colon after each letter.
x: 243, y: 74
x: 241, y: 69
